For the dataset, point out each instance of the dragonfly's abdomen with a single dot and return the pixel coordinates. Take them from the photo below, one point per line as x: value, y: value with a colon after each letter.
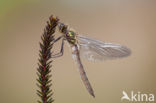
x: 76, y: 57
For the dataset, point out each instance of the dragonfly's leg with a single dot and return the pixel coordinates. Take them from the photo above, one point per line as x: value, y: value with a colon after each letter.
x: 57, y: 39
x: 61, y: 51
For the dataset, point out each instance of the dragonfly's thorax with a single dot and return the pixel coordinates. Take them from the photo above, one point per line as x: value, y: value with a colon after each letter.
x: 69, y: 34
x: 71, y: 37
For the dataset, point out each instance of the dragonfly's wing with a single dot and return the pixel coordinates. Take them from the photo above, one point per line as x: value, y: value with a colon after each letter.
x: 95, y: 50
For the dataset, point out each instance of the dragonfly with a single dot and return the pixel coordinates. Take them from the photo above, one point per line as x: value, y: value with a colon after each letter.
x: 88, y: 48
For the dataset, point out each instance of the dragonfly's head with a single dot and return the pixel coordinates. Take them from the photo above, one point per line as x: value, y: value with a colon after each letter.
x: 63, y: 28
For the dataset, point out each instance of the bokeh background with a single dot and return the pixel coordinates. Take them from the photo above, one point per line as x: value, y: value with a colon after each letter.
x: 128, y: 22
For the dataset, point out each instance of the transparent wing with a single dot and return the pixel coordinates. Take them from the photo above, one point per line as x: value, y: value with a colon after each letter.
x: 95, y: 50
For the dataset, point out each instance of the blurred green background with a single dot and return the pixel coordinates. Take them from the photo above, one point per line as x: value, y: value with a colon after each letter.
x: 128, y: 22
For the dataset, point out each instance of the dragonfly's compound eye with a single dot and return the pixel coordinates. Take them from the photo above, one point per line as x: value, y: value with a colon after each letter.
x: 62, y: 28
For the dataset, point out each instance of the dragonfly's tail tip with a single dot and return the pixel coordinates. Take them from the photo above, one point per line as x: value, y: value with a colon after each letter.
x: 93, y: 95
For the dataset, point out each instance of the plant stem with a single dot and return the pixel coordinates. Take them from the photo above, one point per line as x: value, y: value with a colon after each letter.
x: 44, y: 65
